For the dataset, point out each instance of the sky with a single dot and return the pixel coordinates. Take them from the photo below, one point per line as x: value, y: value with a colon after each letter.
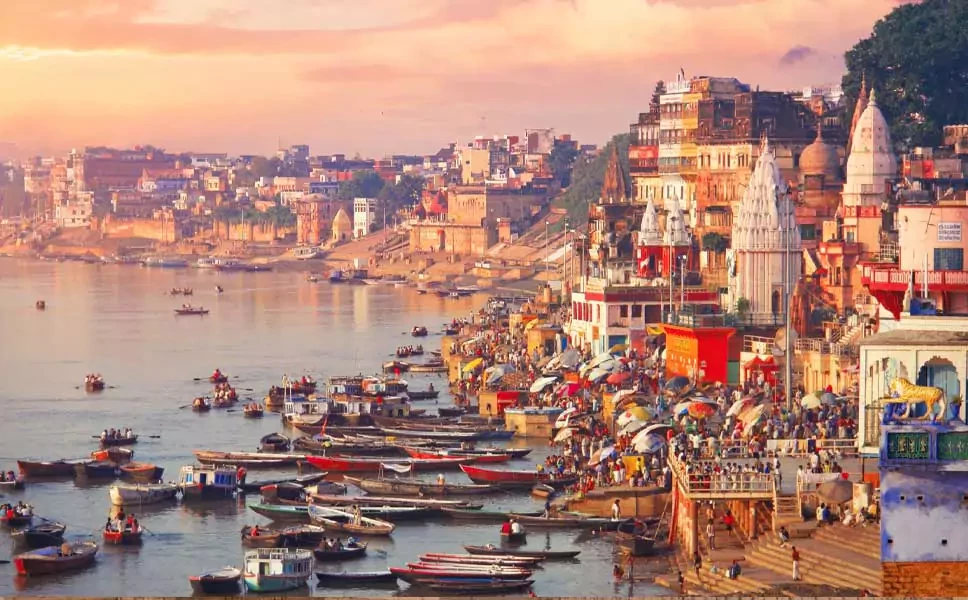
x: 386, y: 76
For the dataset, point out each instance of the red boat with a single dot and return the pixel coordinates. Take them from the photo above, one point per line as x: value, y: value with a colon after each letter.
x: 515, y: 478
x: 122, y: 538
x: 411, y: 574
x: 477, y: 458
x: 363, y: 465
x: 141, y: 472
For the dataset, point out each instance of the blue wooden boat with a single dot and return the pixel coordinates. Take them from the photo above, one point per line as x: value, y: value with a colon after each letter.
x: 277, y: 569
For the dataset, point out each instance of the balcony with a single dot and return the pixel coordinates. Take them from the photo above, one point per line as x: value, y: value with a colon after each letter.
x: 839, y: 247
x: 890, y: 278
x: 822, y: 346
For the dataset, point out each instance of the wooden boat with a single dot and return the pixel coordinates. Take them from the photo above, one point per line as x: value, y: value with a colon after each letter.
x: 486, y: 516
x: 356, y: 578
x: 520, y: 537
x: 43, y: 535
x: 414, y: 487
x: 116, y: 455
x: 439, y: 571
x: 122, y: 538
x: 451, y: 411
x: 365, y: 465
x: 274, y: 442
x: 424, y: 395
x: 48, y: 561
x: 97, y: 470
x: 222, y: 582
x: 470, y: 559
x: 15, y: 484
x: 191, y: 311
x: 363, y: 526
x: 201, y: 405
x: 632, y: 536
x: 218, y: 377
x: 465, y: 436
x: 15, y: 521
x: 431, y: 366
x: 391, y: 514
x: 267, y: 538
x: 541, y: 490
x: 249, y: 460
x: 277, y: 569
x: 331, y: 446
x: 253, y: 411
x: 137, y: 495
x: 396, y: 366
x: 57, y: 468
x: 119, y: 441
x: 419, y: 331
x: 326, y: 499
x: 347, y: 552
x: 208, y: 482
x: 525, y: 479
x: 302, y: 480
x: 478, y: 458
x: 281, y: 512
x: 545, y: 554
x: 568, y: 522
x: 303, y: 536
x: 141, y: 472
x: 40, y: 305
x: 94, y: 385
x: 484, y: 587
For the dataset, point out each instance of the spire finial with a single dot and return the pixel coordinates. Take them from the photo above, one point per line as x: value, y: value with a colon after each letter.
x: 873, y: 99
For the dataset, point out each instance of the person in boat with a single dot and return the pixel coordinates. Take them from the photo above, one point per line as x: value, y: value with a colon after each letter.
x: 616, y: 511
x: 440, y: 479
x: 104, y: 435
x: 506, y: 528
x: 516, y: 528
x: 129, y: 523
x: 8, y: 512
x: 240, y: 475
x: 217, y: 374
x: 109, y: 526
x: 431, y: 388
x: 357, y: 515
x: 11, y: 476
x: 254, y: 532
x: 66, y: 550
x: 339, y: 544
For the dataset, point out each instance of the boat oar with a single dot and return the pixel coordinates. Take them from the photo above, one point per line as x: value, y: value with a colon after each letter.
x: 154, y: 437
x: 4, y: 562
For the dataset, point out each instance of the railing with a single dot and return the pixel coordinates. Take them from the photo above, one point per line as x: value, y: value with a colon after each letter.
x: 758, y: 344
x: 893, y: 276
x: 824, y: 347
x: 699, y: 484
x: 800, y: 448
x: 695, y: 321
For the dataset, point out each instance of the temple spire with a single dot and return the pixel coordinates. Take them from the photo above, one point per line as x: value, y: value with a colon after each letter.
x: 614, y: 185
x: 858, y: 111
x: 649, y: 234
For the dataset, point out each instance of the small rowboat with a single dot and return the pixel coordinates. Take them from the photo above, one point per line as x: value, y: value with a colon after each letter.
x: 544, y: 554
x: 369, y: 577
x: 47, y: 561
x: 470, y: 559
x: 122, y: 538
x: 95, y: 385
x: 99, y: 469
x: 347, y: 552
x: 514, y: 538
x: 119, y: 441
x: 365, y: 525
x: 267, y: 538
x: 335, y: 500
x: 414, y: 487
x: 274, y: 442
x: 569, y: 522
x: 249, y: 460
x: 420, y: 575
x: 253, y: 411
x: 364, y: 465
x: 57, y: 468
x: 419, y: 331
x: 141, y: 472
x: 303, y: 480
x: 137, y: 495
x: 191, y: 311
x: 220, y: 378
x: 485, y: 587
x: 541, y: 490
x: 201, y: 405
x: 16, y: 484
x: 40, y: 536
x: 525, y: 479
x: 477, y: 458
x: 16, y: 521
x: 224, y: 582
x: 115, y: 455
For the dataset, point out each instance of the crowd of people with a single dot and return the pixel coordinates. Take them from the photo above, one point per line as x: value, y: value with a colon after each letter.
x: 13, y: 511
x: 123, y: 523
x: 114, y: 435
x: 7, y: 476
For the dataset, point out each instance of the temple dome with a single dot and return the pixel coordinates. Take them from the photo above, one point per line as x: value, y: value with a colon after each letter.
x: 820, y: 158
x: 871, y: 157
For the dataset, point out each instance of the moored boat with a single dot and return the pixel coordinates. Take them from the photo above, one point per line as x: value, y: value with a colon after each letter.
x: 483, y: 587
x: 346, y: 552
x: 258, y: 537
x: 632, y: 536
x: 440, y: 571
x: 566, y: 522
x: 415, y: 487
x: 470, y: 559
x: 42, y: 535
x: 224, y: 581
x: 99, y: 469
x: 207, y: 482
x: 50, y: 560
x: 138, y: 472
x: 356, y: 578
x: 136, y: 495
x: 274, y: 442
x: 424, y: 395
x: 302, y: 480
x: 116, y: 455
x: 525, y: 479
x: 122, y: 538
x: 364, y: 465
x: 339, y: 521
x: 368, y: 500
x: 479, y: 458
x: 545, y: 554
x: 189, y: 310
x: 277, y: 569
x: 250, y: 460
x: 57, y: 468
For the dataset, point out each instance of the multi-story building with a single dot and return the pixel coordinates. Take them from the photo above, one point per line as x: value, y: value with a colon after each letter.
x: 75, y: 212
x: 644, y: 157
x: 364, y: 216
x: 314, y: 218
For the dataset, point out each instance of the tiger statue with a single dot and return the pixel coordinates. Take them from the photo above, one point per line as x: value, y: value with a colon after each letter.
x: 905, y: 392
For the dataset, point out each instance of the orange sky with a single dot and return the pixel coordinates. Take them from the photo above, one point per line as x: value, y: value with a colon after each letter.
x: 379, y: 76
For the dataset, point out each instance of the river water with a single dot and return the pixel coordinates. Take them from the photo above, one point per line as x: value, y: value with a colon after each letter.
x: 117, y: 320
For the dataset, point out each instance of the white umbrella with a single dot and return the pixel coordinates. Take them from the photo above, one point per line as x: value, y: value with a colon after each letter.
x: 656, y: 428
x: 569, y: 359
x: 681, y: 408
x: 562, y: 420
x: 739, y: 406
x: 810, y: 401
x: 633, y: 426
x: 649, y: 444
x: 633, y: 413
x: 600, y: 455
x: 541, y: 383
x: 597, y: 374
x: 564, y: 434
x: 603, y: 357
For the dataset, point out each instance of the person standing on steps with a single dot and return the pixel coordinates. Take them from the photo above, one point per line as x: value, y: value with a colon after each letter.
x: 795, y: 555
x: 697, y: 563
x: 711, y: 534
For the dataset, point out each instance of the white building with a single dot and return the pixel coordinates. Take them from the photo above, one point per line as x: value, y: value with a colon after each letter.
x: 75, y: 212
x: 765, y: 243
x: 364, y: 216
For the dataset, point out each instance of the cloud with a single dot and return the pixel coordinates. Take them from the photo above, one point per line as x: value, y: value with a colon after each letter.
x: 797, y: 54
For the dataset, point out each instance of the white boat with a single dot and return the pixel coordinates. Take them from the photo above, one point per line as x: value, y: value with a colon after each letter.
x: 305, y: 252
x: 125, y: 494
x: 299, y: 410
x: 169, y: 263
x: 277, y: 569
x: 205, y: 263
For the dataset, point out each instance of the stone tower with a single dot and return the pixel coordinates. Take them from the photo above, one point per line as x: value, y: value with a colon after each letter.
x: 614, y: 185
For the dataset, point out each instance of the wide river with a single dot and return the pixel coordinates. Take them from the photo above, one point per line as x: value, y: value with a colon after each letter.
x: 118, y: 321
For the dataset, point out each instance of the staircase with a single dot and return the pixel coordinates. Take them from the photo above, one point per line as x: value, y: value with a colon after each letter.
x: 786, y: 512
x: 837, y: 556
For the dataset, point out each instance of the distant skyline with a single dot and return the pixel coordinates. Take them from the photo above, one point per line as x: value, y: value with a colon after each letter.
x: 386, y: 76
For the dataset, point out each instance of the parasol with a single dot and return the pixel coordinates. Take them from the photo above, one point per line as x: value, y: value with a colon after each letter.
x: 633, y: 426
x: 568, y: 389
x: 828, y: 398
x: 635, y: 413
x: 618, y: 348
x: 648, y: 444
x: 597, y: 375
x: 600, y: 455
x: 657, y: 428
x: 836, y: 492
x: 541, y: 383
x: 618, y: 378
x: 562, y: 420
x: 753, y: 415
x: 472, y: 365
x: 739, y: 406
x: 681, y: 409
x: 700, y: 410
x: 565, y: 434
x: 810, y: 401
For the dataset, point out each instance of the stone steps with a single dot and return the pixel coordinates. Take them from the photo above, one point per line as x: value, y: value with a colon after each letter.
x: 819, y: 563
x: 862, y: 540
x: 717, y: 583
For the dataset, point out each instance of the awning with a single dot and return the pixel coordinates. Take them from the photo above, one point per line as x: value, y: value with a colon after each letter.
x: 761, y: 364
x: 472, y: 365
x: 396, y: 468
x: 532, y: 324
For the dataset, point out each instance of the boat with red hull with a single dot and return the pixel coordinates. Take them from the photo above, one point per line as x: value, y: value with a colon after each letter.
x: 122, y: 538
x: 515, y: 478
x: 477, y: 458
x: 363, y: 465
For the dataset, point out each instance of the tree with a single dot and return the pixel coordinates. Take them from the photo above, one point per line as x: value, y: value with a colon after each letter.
x: 660, y: 89
x: 586, y: 179
x: 562, y: 159
x: 408, y: 190
x: 365, y: 183
x: 917, y: 61
x: 261, y: 167
x: 714, y: 242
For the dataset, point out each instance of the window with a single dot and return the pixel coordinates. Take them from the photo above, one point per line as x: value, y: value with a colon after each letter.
x: 623, y: 311
x: 636, y: 311
x: 949, y: 259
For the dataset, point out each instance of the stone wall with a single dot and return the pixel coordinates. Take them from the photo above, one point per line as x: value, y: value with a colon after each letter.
x: 923, y: 579
x: 161, y: 230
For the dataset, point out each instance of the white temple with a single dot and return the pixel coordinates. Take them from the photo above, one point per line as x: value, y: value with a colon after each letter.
x: 676, y: 233
x: 765, y: 242
x: 870, y: 166
x: 649, y: 234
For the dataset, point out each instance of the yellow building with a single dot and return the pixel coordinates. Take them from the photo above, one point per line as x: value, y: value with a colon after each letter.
x: 342, y: 226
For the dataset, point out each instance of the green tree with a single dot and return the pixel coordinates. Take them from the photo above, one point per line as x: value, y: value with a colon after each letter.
x: 714, y: 242
x: 917, y: 61
x: 260, y: 166
x: 562, y: 159
x: 587, y: 177
x: 408, y: 190
x: 365, y: 183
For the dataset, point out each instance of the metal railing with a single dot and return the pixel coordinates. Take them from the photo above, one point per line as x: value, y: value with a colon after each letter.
x: 712, y: 485
x: 824, y: 347
x: 800, y: 448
